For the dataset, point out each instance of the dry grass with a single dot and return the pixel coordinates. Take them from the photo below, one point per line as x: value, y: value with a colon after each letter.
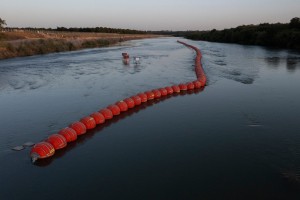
x: 27, y: 43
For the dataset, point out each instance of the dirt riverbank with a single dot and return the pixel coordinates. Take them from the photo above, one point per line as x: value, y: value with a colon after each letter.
x: 28, y: 43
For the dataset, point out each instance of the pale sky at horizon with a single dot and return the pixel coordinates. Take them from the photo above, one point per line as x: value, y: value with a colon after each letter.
x: 147, y: 15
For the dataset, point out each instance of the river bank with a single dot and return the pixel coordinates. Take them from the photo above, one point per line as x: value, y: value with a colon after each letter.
x: 278, y: 35
x: 27, y: 43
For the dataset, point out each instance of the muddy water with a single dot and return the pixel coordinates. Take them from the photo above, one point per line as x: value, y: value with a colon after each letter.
x: 239, y: 138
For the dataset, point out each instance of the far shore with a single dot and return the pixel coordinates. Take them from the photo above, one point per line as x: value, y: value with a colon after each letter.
x: 28, y: 43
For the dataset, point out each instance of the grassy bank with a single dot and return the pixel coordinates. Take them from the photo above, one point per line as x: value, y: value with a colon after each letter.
x: 27, y: 43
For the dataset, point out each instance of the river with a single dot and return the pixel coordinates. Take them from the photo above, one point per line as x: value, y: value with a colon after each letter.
x: 239, y: 138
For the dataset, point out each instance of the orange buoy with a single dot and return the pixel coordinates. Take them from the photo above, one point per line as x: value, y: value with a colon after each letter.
x: 198, y: 66
x: 156, y: 93
x: 150, y: 95
x: 114, y: 109
x: 204, y: 80
x: 57, y: 141
x: 163, y: 91
x: 98, y: 117
x: 169, y: 90
x: 143, y: 97
x: 69, y: 133
x: 89, y: 122
x: 176, y: 88
x: 137, y: 100
x: 197, y: 84
x: 78, y: 127
x: 122, y: 105
x: 106, y: 113
x: 129, y: 102
x: 182, y: 87
x: 190, y: 86
x: 41, y: 150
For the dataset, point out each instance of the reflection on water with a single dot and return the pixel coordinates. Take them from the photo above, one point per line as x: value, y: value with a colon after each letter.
x: 273, y: 61
x: 289, y: 59
x: 292, y: 63
x: 240, y: 136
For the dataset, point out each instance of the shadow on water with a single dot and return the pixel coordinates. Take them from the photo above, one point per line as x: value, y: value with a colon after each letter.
x: 275, y: 58
x: 273, y: 61
x: 91, y: 133
x: 292, y: 63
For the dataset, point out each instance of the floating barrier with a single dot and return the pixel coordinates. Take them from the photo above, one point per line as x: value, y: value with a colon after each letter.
x: 122, y: 105
x: 182, y: 87
x: 163, y: 91
x: 114, y: 109
x: 176, y: 88
x: 156, y: 93
x: 41, y: 150
x: 129, y: 102
x: 78, y: 127
x: 58, y: 141
x: 137, y: 100
x: 150, y: 95
x: 98, y: 117
x: 190, y: 86
x: 169, y: 90
x: 89, y: 122
x: 106, y: 113
x: 68, y: 133
x: 197, y: 84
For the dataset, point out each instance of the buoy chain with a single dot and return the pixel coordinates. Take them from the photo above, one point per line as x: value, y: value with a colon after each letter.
x: 58, y: 141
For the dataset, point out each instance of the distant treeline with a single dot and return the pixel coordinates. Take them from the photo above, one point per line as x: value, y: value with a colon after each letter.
x: 282, y: 35
x: 272, y: 35
x: 85, y: 30
x: 101, y: 30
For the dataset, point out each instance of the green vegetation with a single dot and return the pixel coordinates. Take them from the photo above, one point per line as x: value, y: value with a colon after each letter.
x: 272, y: 35
x: 2, y: 23
x: 100, y: 30
x: 84, y: 30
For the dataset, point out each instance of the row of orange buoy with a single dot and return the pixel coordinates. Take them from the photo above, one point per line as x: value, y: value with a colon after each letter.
x: 60, y: 140
x: 198, y: 65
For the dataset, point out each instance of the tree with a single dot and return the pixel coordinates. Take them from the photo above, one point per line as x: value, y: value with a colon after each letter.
x: 295, y: 22
x: 2, y: 23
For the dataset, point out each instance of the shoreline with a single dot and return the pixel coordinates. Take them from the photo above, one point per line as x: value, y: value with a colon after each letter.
x: 22, y: 44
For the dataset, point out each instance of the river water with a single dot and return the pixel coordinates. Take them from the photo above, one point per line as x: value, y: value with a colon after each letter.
x: 239, y: 138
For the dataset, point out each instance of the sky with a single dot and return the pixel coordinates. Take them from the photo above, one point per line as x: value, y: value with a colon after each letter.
x: 147, y: 15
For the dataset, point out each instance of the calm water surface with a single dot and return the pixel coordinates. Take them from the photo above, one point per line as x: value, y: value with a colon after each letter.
x: 239, y: 138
